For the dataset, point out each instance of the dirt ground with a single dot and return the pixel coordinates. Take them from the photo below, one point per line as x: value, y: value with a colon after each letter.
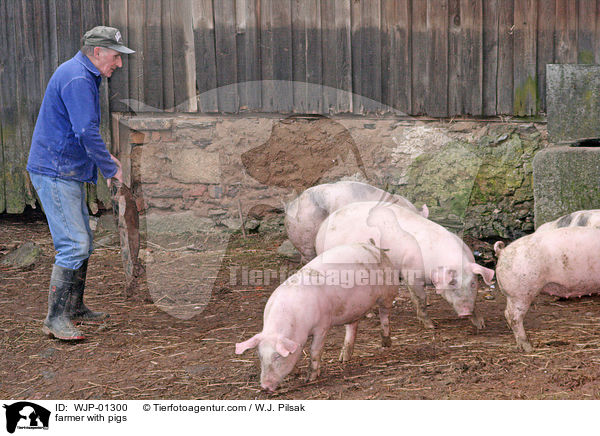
x: 142, y: 352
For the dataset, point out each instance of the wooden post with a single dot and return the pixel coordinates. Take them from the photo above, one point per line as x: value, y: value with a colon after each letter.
x: 125, y: 210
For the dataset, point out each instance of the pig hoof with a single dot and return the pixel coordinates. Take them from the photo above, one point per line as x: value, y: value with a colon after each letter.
x: 478, y: 322
x: 386, y: 341
x: 427, y: 323
x: 526, y: 347
x: 344, y: 356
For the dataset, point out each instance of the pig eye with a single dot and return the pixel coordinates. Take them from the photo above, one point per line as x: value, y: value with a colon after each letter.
x: 452, y: 282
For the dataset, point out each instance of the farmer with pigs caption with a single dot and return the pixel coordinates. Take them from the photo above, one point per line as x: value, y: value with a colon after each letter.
x: 66, y: 152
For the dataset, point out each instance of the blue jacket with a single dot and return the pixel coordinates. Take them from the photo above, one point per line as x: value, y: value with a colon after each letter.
x: 66, y: 140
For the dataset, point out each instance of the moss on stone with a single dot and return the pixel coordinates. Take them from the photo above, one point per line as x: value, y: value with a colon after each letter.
x: 444, y: 179
x: 485, y: 188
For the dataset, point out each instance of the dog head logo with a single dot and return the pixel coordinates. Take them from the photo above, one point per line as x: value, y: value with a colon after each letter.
x: 26, y: 415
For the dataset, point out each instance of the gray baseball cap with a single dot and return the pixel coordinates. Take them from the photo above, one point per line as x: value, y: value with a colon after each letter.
x: 103, y: 36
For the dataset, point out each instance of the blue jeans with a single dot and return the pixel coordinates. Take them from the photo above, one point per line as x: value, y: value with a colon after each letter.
x: 64, y: 204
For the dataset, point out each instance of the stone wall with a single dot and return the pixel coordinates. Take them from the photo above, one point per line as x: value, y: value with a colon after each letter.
x: 201, y: 173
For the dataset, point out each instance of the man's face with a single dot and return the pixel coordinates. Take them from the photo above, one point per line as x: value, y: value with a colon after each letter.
x: 107, y: 60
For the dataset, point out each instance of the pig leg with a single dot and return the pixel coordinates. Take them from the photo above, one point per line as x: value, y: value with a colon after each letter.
x: 316, y: 349
x: 346, y: 353
x: 477, y: 320
x: 307, y: 254
x: 413, y: 277
x: 419, y: 299
x: 514, y: 313
x: 384, y: 319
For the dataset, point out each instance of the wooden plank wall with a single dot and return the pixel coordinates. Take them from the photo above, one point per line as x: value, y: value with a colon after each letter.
x: 439, y: 58
x: 35, y: 37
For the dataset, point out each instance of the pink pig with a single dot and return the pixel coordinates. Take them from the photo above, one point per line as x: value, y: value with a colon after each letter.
x: 580, y: 218
x: 382, y: 229
x: 447, y: 262
x: 562, y: 262
x: 304, y: 215
x: 338, y: 291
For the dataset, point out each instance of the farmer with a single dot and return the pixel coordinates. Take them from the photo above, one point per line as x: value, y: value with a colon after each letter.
x: 67, y: 151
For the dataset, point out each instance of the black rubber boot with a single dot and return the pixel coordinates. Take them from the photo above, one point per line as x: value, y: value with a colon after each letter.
x: 57, y: 323
x: 78, y: 311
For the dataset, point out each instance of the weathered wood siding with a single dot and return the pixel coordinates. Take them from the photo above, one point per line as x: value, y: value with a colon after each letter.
x: 439, y: 58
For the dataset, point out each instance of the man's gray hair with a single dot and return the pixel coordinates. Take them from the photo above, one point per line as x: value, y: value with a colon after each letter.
x: 87, y: 50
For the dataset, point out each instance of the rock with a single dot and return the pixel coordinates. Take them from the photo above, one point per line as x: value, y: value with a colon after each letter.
x: 263, y: 211
x: 483, y: 191
x: 443, y: 179
x: 236, y: 224
x: 150, y: 163
x: 194, y: 124
x: 177, y: 223
x: 464, y: 126
x: 24, y: 256
x: 501, y: 138
x: 232, y: 223
x: 164, y: 203
x: 196, y: 166
x: 252, y: 225
x: 148, y: 123
x: 164, y: 190
x: 272, y: 224
x: 288, y: 250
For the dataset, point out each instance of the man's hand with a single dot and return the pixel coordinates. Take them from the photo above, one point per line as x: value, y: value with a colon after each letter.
x: 119, y: 175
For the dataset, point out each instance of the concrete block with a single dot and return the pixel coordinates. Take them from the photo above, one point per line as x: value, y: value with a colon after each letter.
x: 565, y: 179
x: 573, y: 101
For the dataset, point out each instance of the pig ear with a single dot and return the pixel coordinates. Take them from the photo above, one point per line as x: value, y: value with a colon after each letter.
x: 425, y: 211
x: 250, y: 343
x: 286, y: 346
x: 486, y: 273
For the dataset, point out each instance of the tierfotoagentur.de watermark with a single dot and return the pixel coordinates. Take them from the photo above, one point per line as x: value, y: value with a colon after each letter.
x: 342, y: 277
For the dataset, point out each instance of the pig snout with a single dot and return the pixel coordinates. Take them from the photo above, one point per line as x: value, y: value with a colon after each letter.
x: 464, y: 309
x: 268, y: 389
x: 269, y: 385
x: 463, y: 305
